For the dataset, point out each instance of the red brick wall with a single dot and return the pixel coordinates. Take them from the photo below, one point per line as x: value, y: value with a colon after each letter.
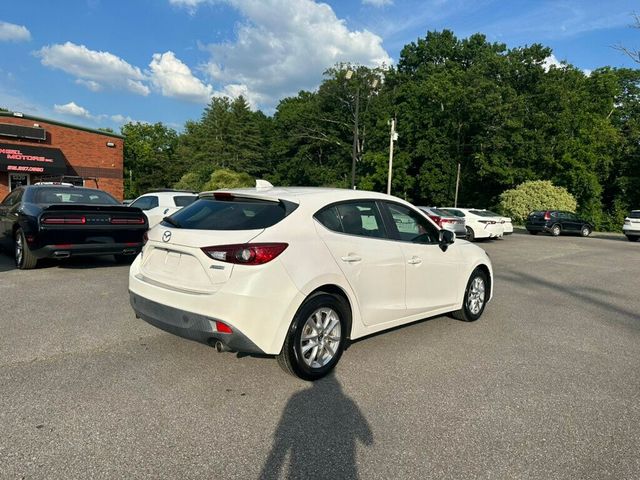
x: 84, y: 151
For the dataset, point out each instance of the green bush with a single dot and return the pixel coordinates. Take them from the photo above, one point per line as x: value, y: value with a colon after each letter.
x: 225, y: 178
x: 518, y: 202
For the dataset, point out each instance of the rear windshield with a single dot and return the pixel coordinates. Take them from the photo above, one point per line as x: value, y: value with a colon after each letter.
x: 454, y: 212
x: 73, y: 195
x: 635, y: 214
x: 184, y: 200
x: 442, y: 213
x: 230, y: 214
x: 484, y: 213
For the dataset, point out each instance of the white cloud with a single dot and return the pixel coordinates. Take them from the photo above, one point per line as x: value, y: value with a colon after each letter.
x: 74, y: 110
x: 283, y: 46
x: 94, y: 69
x: 174, y: 79
x: 10, y: 32
x: 90, y: 84
x: 377, y: 3
x: 551, y: 61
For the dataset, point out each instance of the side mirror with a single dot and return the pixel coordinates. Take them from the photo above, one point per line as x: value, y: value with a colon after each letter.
x: 446, y: 238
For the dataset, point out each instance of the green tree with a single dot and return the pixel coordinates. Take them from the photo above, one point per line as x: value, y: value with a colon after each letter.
x: 149, y: 157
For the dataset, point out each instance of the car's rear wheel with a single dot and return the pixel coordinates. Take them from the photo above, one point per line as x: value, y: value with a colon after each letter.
x: 316, y: 337
x: 585, y: 231
x: 555, y: 230
x: 475, y: 297
x: 25, y: 259
x: 471, y: 236
x: 632, y: 238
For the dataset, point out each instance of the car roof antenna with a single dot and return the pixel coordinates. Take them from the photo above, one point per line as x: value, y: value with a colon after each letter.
x: 263, y: 185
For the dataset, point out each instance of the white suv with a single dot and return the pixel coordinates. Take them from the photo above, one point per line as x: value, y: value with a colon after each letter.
x: 160, y: 203
x: 631, y: 227
x: 296, y: 272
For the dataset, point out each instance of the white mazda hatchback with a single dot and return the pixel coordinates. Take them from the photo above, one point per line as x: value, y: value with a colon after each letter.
x: 298, y: 272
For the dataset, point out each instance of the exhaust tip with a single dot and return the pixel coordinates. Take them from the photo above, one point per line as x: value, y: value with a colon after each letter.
x: 221, y: 347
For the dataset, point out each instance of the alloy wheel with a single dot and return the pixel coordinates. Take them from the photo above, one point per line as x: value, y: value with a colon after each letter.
x: 475, y: 298
x: 19, y: 249
x: 320, y: 338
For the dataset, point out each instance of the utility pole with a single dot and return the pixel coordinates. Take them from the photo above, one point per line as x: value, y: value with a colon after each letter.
x: 393, y: 136
x: 354, y: 153
x: 455, y: 200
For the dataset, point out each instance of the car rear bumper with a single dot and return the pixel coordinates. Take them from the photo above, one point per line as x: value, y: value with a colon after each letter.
x: 189, y: 325
x: 74, y: 250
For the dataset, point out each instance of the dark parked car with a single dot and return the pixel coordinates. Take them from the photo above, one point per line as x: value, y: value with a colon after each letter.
x: 556, y: 222
x: 60, y: 221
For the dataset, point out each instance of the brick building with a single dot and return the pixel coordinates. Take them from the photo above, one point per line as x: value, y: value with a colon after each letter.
x: 35, y: 149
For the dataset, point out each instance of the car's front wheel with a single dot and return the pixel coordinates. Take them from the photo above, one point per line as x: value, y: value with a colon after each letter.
x: 316, y: 337
x: 25, y: 259
x: 632, y: 238
x: 475, y: 297
x: 585, y: 231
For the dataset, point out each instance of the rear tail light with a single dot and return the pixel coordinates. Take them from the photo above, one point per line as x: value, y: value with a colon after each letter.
x: 145, y: 238
x: 547, y: 215
x: 246, y: 254
x: 447, y: 220
x: 223, y: 327
x: 127, y: 221
x: 65, y: 220
x: 627, y: 221
x: 436, y: 219
x: 490, y: 222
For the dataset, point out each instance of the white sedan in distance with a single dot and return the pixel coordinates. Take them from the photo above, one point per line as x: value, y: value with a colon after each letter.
x: 298, y: 272
x: 158, y: 204
x: 479, y: 224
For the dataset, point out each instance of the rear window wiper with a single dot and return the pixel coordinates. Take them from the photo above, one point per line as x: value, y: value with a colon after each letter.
x: 172, y: 222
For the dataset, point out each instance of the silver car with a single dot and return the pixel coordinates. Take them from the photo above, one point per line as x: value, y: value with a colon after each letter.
x: 446, y: 221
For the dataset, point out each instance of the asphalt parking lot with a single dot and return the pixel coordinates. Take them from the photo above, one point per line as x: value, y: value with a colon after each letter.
x: 545, y: 385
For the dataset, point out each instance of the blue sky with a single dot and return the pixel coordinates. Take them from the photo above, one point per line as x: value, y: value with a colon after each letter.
x: 102, y: 63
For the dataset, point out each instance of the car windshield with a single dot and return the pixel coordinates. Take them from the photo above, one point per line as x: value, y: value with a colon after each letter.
x: 635, y: 214
x: 73, y: 195
x: 232, y: 213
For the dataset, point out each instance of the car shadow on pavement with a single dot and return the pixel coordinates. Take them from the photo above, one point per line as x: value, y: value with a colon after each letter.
x: 318, y: 432
x: 6, y: 262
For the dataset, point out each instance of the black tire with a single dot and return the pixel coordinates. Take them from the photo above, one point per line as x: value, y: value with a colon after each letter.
x: 471, y: 236
x: 532, y: 232
x: 632, y: 238
x: 585, y: 231
x: 293, y: 359
x: 556, y: 230
x: 24, y: 257
x: 125, y: 259
x: 466, y: 313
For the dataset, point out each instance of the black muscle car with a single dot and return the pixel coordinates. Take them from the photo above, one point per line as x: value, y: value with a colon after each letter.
x: 60, y: 221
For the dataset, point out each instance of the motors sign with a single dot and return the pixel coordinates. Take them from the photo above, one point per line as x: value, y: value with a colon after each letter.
x: 26, y: 159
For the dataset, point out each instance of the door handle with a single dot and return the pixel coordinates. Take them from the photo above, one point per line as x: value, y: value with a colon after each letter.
x: 414, y: 261
x: 351, y: 258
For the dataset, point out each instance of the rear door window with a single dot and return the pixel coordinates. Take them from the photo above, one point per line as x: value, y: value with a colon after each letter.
x: 361, y: 218
x: 146, y: 203
x: 232, y: 213
x: 184, y: 200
